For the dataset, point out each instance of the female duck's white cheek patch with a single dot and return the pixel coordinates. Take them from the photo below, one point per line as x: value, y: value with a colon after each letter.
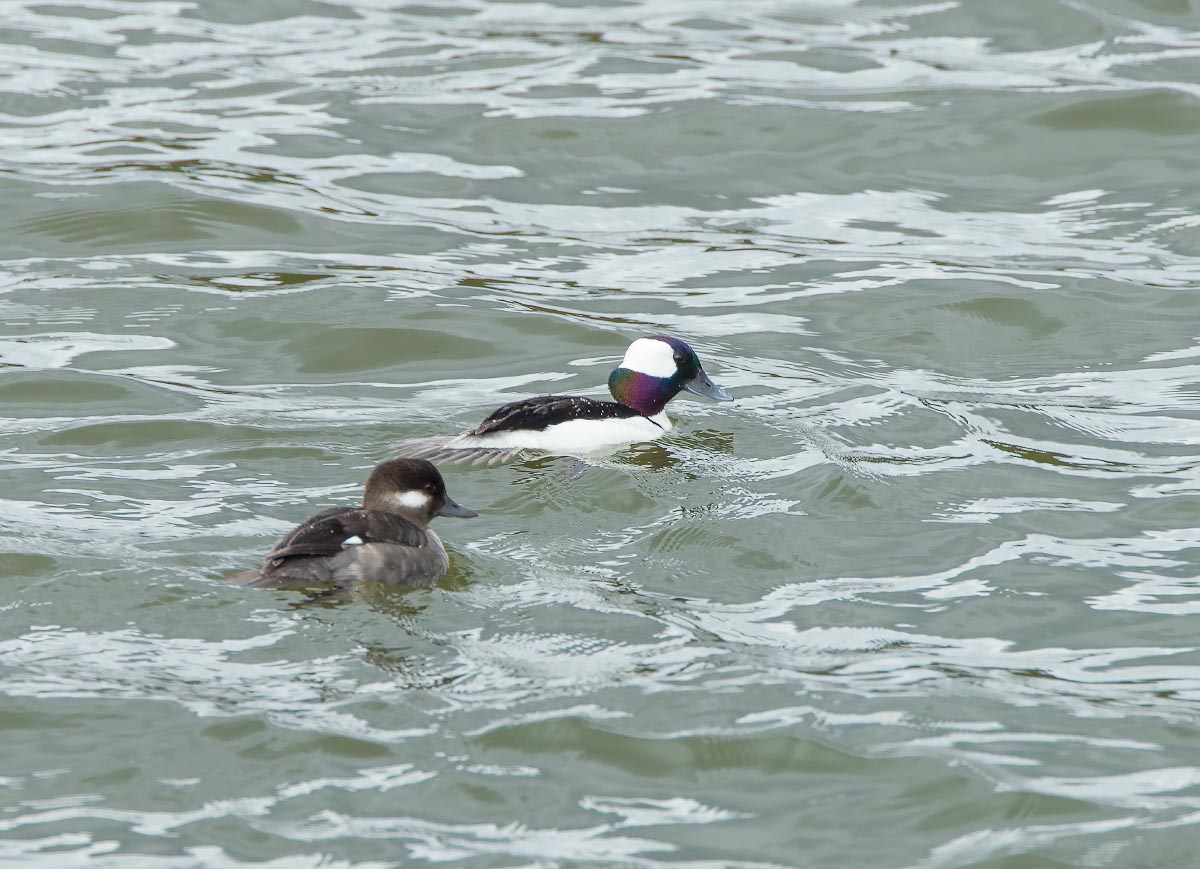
x: 413, y: 499
x: 649, y: 356
x: 353, y: 541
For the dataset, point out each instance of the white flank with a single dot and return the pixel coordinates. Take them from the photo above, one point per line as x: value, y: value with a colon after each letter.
x: 650, y: 356
x: 413, y: 499
x: 352, y: 541
x: 575, y: 436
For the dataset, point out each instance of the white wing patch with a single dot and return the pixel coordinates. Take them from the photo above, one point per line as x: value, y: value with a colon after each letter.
x: 650, y: 356
x: 353, y: 541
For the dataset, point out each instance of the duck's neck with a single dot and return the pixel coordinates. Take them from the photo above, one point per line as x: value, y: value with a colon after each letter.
x: 646, y: 394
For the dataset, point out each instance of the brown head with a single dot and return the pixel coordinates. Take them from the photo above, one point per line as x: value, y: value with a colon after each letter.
x: 414, y: 489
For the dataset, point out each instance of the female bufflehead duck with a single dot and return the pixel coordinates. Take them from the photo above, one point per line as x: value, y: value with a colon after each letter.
x: 653, y: 372
x: 387, y: 539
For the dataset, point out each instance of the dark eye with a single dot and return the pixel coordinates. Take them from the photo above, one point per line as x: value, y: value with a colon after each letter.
x: 678, y: 356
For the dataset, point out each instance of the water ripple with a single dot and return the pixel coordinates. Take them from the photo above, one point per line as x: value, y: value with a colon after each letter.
x: 930, y: 574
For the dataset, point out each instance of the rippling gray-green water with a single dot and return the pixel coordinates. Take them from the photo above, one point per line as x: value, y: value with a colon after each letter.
x: 927, y: 594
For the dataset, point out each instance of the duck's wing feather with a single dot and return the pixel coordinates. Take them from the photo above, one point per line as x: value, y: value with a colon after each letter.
x: 544, y: 411
x: 440, y: 449
x: 331, y: 531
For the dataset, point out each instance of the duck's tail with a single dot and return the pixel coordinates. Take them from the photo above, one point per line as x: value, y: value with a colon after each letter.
x: 457, y: 450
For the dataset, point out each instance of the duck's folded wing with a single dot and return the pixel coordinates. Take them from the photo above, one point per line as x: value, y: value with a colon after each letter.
x: 330, y: 532
x: 526, y: 415
x: 538, y: 414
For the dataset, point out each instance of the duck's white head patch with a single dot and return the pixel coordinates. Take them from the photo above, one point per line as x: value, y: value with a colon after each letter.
x: 650, y: 356
x: 412, y: 499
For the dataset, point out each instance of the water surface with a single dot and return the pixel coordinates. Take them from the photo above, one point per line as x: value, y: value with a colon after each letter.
x: 924, y: 596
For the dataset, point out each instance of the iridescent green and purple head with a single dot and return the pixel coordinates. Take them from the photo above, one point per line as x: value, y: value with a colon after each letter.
x: 653, y: 372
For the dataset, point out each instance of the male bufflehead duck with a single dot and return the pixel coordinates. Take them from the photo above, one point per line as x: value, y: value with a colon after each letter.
x: 653, y: 372
x: 387, y: 539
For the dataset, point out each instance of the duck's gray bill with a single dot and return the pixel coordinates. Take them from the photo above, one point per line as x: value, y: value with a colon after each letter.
x: 458, y: 511
x: 701, y: 385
